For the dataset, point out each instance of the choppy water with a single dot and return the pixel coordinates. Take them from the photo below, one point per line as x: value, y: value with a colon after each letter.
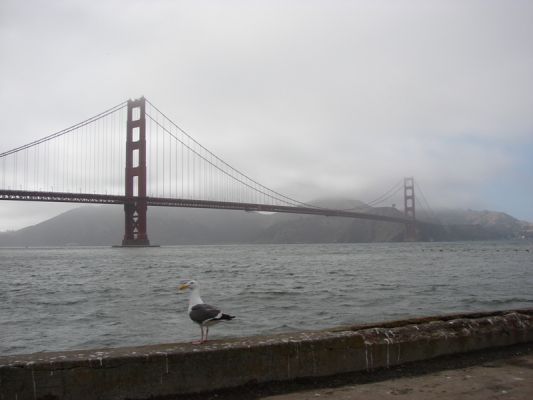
x: 74, y: 298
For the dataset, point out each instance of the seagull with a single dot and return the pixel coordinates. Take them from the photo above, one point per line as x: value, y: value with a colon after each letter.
x: 201, y: 313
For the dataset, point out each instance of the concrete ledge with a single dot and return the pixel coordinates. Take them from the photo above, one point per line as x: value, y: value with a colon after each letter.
x: 161, y: 370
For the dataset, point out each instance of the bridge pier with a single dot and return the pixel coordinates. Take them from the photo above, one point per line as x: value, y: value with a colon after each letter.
x: 135, y: 210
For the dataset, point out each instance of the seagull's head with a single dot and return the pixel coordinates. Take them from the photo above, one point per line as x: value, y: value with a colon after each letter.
x: 190, y: 284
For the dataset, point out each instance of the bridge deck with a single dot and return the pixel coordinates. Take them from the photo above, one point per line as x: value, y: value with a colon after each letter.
x: 22, y: 195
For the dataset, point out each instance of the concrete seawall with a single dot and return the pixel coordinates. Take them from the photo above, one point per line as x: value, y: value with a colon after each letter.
x: 162, y: 370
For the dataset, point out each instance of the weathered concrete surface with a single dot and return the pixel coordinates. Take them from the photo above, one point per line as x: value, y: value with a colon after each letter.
x: 509, y: 378
x: 162, y: 370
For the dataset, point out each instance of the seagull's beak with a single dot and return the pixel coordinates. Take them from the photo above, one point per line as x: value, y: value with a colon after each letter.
x: 184, y: 286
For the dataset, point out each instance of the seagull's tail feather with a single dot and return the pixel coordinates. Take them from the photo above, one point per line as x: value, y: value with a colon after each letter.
x: 227, y: 317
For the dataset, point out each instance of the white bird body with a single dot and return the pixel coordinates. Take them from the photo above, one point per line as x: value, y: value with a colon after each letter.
x: 201, y: 313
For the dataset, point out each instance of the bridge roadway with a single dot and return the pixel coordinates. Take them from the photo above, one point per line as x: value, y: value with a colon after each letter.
x: 23, y: 195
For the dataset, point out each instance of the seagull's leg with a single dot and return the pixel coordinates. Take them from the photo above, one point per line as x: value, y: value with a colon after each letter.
x: 202, y: 339
x: 206, y: 333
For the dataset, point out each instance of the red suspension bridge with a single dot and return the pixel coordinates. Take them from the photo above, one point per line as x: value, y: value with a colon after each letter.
x: 133, y: 154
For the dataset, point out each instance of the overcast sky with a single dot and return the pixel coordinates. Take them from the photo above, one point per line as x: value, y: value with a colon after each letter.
x: 311, y: 98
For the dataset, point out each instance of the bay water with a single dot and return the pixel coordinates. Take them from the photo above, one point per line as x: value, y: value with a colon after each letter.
x: 94, y: 297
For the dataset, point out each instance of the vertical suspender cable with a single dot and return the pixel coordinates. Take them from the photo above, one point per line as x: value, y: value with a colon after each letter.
x: 182, y: 169
x: 176, y: 165
x: 163, y: 156
x: 105, y: 160
x: 157, y: 159
x: 111, y: 149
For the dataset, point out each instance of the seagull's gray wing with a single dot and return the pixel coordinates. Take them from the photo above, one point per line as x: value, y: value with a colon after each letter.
x: 203, y: 312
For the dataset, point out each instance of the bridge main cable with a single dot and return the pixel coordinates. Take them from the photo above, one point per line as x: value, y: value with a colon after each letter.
x: 66, y: 130
x: 264, y: 190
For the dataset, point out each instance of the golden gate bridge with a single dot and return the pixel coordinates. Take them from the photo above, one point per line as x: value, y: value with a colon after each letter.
x: 133, y: 154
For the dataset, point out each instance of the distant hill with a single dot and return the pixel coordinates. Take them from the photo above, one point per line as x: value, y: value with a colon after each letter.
x: 473, y: 225
x: 318, y: 229
x: 103, y: 225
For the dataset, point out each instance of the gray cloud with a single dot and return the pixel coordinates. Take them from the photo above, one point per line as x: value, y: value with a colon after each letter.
x: 308, y: 97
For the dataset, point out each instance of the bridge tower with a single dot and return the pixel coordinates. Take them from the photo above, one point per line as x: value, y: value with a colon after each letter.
x: 409, y: 208
x: 135, y: 210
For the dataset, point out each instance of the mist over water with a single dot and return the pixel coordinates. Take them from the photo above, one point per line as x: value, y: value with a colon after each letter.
x: 79, y: 298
